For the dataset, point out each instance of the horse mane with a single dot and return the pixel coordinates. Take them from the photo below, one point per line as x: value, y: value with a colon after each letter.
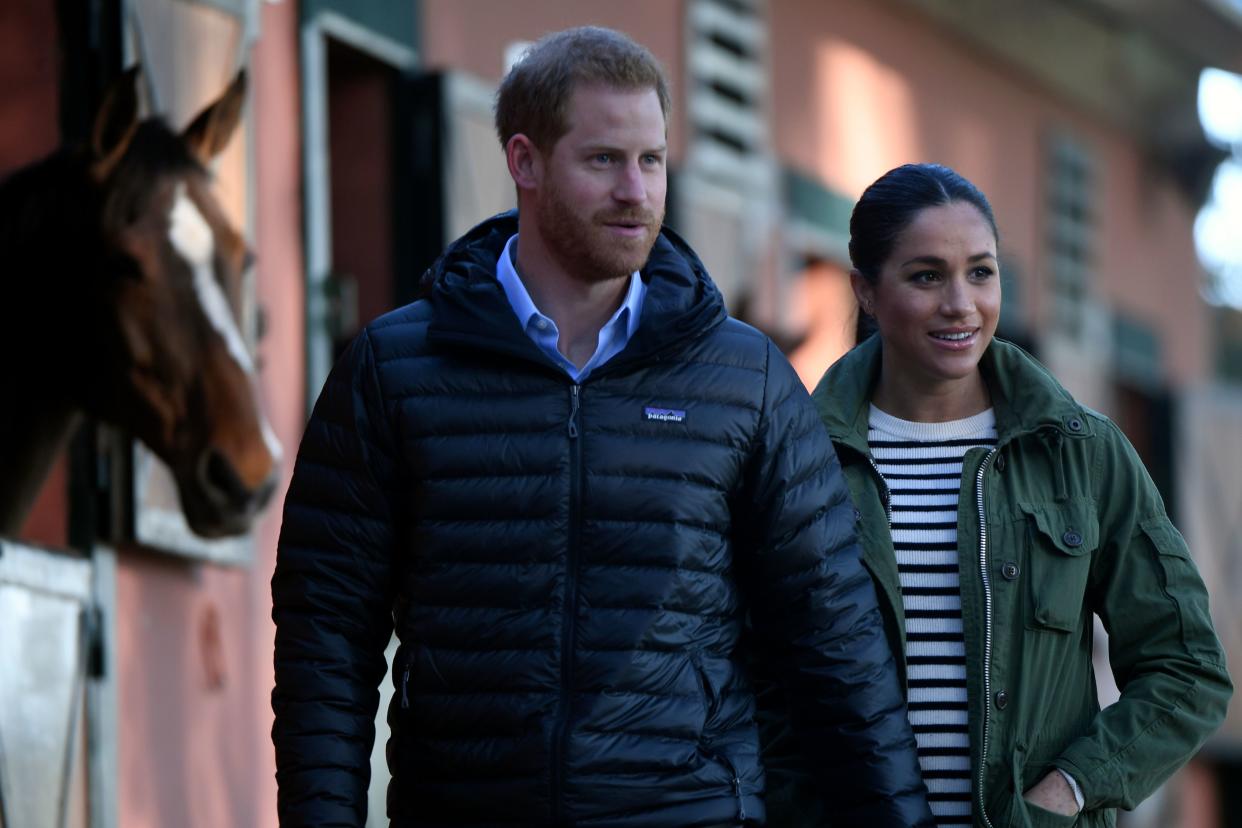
x: 39, y: 199
x: 54, y: 200
x: 58, y: 255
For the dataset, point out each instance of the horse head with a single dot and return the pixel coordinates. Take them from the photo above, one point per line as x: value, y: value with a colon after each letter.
x: 144, y: 270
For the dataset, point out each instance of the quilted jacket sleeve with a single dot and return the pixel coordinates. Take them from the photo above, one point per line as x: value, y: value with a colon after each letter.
x: 331, y: 600
x: 815, y: 611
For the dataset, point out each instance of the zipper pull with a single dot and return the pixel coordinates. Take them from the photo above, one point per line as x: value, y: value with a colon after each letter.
x: 573, y: 412
x: 741, y: 802
x: 405, y: 683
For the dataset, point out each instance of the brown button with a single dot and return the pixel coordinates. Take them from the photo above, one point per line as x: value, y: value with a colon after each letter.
x: 1002, y: 699
x: 1009, y: 571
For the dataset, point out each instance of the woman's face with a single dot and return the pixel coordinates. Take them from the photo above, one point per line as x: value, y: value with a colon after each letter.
x: 937, y: 300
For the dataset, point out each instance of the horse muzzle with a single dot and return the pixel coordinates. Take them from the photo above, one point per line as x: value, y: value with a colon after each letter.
x: 216, y: 499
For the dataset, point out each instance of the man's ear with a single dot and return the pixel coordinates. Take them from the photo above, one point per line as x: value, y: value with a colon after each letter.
x: 864, y: 291
x: 525, y: 162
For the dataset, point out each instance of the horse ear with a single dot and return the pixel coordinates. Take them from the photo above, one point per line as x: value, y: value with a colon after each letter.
x: 115, y: 123
x: 210, y: 131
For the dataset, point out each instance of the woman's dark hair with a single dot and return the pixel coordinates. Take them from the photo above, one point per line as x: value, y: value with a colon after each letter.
x: 890, y: 204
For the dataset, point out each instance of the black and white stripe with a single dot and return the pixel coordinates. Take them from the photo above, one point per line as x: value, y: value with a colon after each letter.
x: 922, y: 465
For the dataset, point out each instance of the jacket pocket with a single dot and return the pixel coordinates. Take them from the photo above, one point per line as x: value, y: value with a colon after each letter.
x: 1037, y: 817
x: 1062, y: 538
x: 710, y: 695
x: 1027, y: 771
x: 1183, y: 586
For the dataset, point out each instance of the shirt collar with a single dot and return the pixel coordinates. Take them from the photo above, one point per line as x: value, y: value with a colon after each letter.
x: 526, y: 311
x: 515, y: 290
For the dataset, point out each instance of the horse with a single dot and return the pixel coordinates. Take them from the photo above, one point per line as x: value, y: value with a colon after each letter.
x: 120, y: 274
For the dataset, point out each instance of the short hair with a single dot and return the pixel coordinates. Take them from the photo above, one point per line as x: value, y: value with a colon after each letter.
x: 891, y: 204
x: 534, y: 97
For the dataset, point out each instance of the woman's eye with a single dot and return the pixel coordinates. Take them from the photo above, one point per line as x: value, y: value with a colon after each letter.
x: 983, y: 273
x: 924, y: 276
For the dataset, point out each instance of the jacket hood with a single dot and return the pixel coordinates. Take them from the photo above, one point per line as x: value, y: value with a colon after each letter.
x: 471, y: 307
x: 1025, y: 396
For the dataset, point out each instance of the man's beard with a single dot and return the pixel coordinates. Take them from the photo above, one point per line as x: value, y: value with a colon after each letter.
x: 585, y: 248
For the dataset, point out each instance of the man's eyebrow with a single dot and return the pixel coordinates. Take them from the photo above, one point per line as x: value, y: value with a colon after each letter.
x: 589, y: 148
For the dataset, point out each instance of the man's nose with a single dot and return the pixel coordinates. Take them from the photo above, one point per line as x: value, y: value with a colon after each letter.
x: 630, y: 186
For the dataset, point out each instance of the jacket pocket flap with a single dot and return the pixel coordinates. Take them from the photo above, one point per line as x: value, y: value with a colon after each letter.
x: 1071, y: 528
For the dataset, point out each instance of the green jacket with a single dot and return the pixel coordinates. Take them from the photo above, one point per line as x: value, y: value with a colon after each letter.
x: 1059, y: 521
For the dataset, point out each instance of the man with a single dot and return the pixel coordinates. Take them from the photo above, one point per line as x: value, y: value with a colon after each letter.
x: 567, y: 476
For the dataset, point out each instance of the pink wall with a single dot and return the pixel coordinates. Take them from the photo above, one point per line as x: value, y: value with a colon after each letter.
x: 858, y: 88
x: 472, y: 35
x: 194, y: 642
x: 861, y: 87
x: 29, y: 130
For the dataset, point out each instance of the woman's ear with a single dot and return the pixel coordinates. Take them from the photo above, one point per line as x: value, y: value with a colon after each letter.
x: 864, y: 291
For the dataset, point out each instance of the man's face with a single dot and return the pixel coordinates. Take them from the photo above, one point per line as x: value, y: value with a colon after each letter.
x: 600, y: 203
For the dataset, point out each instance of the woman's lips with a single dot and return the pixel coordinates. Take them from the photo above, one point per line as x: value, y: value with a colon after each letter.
x: 955, y: 340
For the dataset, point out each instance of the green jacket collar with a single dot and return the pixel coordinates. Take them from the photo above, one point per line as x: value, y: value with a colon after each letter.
x: 1025, y: 395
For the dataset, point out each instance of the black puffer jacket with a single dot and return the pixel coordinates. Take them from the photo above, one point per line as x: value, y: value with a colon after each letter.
x: 568, y: 567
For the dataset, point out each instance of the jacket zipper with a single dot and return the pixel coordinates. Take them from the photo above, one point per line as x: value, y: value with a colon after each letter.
x: 888, y: 496
x: 561, y: 733
x: 710, y: 699
x: 737, y: 789
x: 987, y: 630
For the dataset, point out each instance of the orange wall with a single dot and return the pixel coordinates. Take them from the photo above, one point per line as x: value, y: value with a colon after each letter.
x: 194, y: 642
x: 471, y: 35
x: 29, y: 130
x: 860, y: 87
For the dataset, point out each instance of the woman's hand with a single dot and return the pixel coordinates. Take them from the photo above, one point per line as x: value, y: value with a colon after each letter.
x: 1053, y: 793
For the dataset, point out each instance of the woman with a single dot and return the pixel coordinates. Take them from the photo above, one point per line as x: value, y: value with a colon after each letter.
x: 996, y: 516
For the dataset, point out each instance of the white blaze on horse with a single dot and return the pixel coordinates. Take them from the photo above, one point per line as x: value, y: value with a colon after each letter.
x: 119, y: 271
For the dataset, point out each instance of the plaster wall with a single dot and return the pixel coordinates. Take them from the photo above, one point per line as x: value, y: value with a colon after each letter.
x: 472, y: 35
x: 194, y: 642
x: 861, y: 87
x: 29, y: 130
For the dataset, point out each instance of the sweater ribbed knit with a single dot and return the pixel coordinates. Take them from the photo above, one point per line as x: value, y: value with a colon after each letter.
x: 922, y: 465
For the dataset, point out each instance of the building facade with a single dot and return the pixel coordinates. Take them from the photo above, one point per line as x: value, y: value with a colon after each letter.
x: 368, y: 144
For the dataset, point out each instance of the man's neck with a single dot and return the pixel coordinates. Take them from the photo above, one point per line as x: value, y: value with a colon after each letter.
x: 579, y: 307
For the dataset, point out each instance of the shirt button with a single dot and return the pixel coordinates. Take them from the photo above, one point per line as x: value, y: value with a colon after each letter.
x: 1009, y: 571
x: 541, y: 324
x: 1000, y: 462
x: 1072, y: 538
x: 1002, y: 699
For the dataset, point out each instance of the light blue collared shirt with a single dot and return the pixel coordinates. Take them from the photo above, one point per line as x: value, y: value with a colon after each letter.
x: 613, y: 337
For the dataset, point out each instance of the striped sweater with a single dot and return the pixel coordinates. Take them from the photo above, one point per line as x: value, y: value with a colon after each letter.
x: 922, y: 465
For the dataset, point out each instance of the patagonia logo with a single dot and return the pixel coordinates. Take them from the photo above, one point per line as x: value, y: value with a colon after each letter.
x: 664, y: 415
